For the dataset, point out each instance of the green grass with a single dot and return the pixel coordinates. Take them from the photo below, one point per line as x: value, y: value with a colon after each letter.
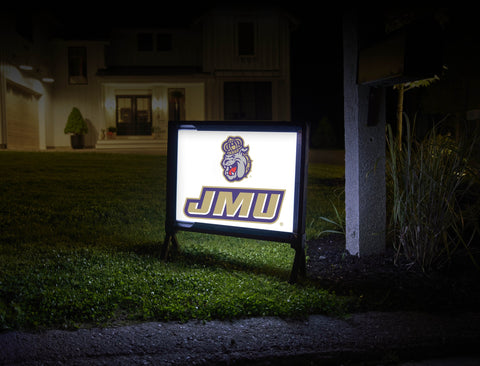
x: 81, y: 235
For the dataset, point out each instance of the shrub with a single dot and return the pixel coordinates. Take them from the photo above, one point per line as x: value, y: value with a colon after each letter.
x: 427, y: 183
x: 75, y: 123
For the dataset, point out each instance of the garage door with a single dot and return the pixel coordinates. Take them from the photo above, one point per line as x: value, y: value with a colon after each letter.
x: 22, y: 118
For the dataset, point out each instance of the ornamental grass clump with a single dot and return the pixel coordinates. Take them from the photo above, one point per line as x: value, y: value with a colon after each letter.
x: 433, y: 204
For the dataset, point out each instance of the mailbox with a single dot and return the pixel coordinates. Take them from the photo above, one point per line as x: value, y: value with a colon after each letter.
x: 411, y: 53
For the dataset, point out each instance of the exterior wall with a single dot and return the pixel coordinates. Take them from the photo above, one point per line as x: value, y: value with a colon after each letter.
x: 22, y: 118
x: 186, y: 48
x: 25, y: 100
x: 86, y: 97
x: 270, y: 62
x: 26, y: 105
x: 221, y: 36
x: 97, y: 99
x: 201, y: 60
x: 195, y: 102
x: 280, y: 96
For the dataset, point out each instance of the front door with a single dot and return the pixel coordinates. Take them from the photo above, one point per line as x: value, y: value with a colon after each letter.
x: 134, y: 115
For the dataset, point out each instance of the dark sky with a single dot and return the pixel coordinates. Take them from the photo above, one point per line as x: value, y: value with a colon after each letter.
x: 317, y: 66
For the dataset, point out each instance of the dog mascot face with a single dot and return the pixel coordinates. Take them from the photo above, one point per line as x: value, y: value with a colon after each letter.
x: 236, y: 163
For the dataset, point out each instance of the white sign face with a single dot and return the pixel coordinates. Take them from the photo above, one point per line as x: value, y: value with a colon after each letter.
x: 237, y: 178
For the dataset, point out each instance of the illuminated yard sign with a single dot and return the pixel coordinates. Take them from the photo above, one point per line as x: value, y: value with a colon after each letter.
x: 243, y: 179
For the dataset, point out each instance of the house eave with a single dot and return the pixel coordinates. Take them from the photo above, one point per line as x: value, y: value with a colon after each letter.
x: 150, y: 71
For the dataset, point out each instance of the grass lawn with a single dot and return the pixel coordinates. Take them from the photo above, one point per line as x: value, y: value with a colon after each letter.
x: 80, y: 240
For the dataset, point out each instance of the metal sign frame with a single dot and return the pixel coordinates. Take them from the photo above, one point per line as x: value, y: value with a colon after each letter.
x: 296, y: 237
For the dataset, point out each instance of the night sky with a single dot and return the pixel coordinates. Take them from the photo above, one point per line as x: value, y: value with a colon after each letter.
x: 317, y: 67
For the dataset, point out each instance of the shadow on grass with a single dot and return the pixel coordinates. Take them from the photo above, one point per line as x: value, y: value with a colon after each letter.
x: 213, y: 260
x: 219, y: 261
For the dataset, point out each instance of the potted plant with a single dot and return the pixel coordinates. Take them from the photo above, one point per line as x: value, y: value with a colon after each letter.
x: 112, y: 132
x: 77, y: 127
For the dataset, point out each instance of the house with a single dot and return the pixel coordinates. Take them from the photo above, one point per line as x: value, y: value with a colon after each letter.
x: 228, y: 64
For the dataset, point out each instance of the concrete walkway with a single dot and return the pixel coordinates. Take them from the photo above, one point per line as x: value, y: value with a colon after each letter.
x: 397, y: 338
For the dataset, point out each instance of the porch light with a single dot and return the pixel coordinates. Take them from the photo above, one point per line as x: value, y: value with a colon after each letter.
x: 157, y: 103
x: 110, y: 103
x: 26, y: 67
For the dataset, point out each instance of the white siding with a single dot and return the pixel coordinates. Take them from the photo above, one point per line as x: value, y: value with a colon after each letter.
x: 87, y: 98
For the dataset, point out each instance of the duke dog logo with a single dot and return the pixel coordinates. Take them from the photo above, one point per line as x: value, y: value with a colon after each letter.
x: 236, y: 162
x: 239, y: 204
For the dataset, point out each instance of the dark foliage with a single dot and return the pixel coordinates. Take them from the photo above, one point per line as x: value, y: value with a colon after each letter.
x: 383, y: 285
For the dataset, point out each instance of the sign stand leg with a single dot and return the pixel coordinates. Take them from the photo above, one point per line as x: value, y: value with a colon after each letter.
x: 168, y: 238
x: 299, y: 262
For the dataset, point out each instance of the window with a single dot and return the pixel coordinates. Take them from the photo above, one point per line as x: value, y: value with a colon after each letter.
x: 246, y: 38
x: 77, y: 65
x: 248, y: 100
x: 148, y: 42
x: 145, y: 42
x: 164, y: 42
